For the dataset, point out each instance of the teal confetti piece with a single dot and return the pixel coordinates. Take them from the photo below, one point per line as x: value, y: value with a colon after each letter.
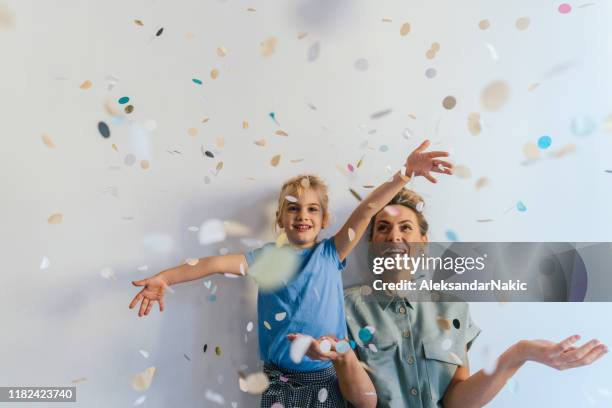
x: 352, y: 344
x: 452, y: 236
x: 197, y: 81
x: 365, y: 335
x: 342, y: 347
x: 212, y: 298
x: 383, y: 148
x: 521, y: 207
x: 544, y: 142
x: 123, y: 100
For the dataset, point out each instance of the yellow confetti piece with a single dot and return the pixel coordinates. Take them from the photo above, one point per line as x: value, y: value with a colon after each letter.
x: 282, y: 240
x: 435, y: 47
x: 115, y: 148
x: 142, y: 381
x: 387, y: 20
x: 355, y: 194
x: 86, y: 84
x: 144, y: 164
x: 443, y: 324
x: 260, y: 142
x: 79, y: 380
x: 281, y: 133
x: 522, y: 23
x: 192, y: 261
x: 219, y: 166
x: 405, y: 29
x: 138, y: 23
x: 430, y: 54
x: 462, y: 172
x: 218, y: 350
x: 531, y: 151
x: 205, y: 120
x: 267, y: 325
x: 474, y: 125
x: 47, y: 141
x: 495, y: 95
x: 221, y: 51
x: 245, y: 124
x: 275, y: 160
x: 268, y: 46
x: 214, y: 73
x: 55, y: 218
x: 351, y: 234
x: 220, y: 141
x: 301, y: 35
x: 192, y: 131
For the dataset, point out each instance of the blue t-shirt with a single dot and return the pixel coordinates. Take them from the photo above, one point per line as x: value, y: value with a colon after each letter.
x: 313, y: 301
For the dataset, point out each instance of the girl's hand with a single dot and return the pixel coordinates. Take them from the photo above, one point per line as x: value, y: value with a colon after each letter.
x: 420, y: 163
x: 314, y: 351
x: 563, y: 355
x: 154, y: 288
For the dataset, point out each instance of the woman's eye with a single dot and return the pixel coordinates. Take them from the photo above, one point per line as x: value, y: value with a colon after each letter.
x: 314, y: 209
x: 406, y: 227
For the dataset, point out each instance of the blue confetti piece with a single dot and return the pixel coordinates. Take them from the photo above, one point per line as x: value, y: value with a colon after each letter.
x: 352, y: 344
x: 544, y: 142
x: 365, y: 335
x: 383, y: 148
x: 197, y: 81
x: 103, y: 129
x: 342, y: 347
x: 212, y: 298
x: 521, y: 207
x: 452, y: 236
x: 123, y: 100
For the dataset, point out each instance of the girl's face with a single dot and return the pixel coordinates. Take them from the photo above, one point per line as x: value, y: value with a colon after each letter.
x: 304, y: 219
x: 399, y: 225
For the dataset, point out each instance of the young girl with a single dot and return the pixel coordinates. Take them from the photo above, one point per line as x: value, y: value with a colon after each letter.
x: 313, y: 300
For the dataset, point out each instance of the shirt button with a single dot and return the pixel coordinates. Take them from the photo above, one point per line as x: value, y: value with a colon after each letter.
x: 414, y: 391
x: 410, y: 360
x: 406, y: 333
x: 402, y: 310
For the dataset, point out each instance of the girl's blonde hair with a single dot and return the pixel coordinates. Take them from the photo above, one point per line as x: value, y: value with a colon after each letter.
x: 409, y: 199
x: 295, y: 187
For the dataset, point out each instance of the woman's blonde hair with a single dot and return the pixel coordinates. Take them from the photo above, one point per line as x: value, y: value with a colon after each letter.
x: 295, y: 187
x: 408, y: 199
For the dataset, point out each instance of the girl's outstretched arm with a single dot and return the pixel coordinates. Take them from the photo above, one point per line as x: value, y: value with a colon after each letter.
x: 467, y: 391
x: 155, y: 286
x: 418, y: 163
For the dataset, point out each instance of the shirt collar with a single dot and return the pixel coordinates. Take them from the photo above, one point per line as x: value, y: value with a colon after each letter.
x: 386, y: 299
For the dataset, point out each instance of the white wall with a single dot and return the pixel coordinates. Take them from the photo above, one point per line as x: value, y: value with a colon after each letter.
x: 67, y: 322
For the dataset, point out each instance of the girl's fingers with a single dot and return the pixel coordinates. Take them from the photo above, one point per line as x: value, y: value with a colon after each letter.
x: 161, y: 305
x: 443, y: 171
x: 437, y: 153
x: 430, y: 178
x: 139, y: 282
x: 143, y: 307
x: 422, y: 147
x: 149, y: 307
x: 563, y: 345
x: 136, y: 299
x: 444, y: 163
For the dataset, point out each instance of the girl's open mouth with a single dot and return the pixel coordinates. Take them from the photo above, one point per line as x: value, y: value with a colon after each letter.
x: 302, y: 227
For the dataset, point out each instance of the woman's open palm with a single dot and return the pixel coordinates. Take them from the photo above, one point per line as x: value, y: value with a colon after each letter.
x: 421, y: 163
x: 153, y: 291
x: 564, y: 355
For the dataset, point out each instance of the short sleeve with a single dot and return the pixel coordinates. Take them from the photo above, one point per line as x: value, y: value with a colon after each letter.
x: 251, y: 256
x: 472, y: 331
x: 330, y: 251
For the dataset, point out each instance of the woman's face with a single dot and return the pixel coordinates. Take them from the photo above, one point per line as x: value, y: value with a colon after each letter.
x: 397, y: 224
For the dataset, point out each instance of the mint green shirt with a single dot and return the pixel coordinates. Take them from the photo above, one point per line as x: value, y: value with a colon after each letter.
x: 415, y: 347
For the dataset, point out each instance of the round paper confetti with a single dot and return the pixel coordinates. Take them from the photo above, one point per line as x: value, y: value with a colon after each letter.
x: 544, y: 142
x: 86, y: 84
x: 521, y: 207
x: 322, y: 395
x: 430, y: 73
x: 365, y: 334
x: 446, y: 344
x: 211, y: 231
x: 452, y: 236
x: 435, y: 47
x: 144, y: 164
x: 221, y: 51
x: 44, y: 263
x: 565, y: 8
x: 325, y: 346
x: 214, y: 73
x: 299, y: 347
x: 462, y: 172
x: 342, y: 347
x: 484, y: 24
x: 249, y: 326
x: 142, y: 381
x: 531, y: 151
x: 420, y: 206
x: 279, y: 317
x: 362, y: 64
x: 405, y: 29
x: 192, y: 131
x: 218, y: 350
x: 275, y: 160
x: 123, y: 100
x: 351, y: 234
x: 129, y: 159
x: 129, y: 109
x: 522, y: 23
x: 449, y: 102
x: 274, y: 267
x: 47, y: 141
x: 103, y: 129
x: 256, y: 383
x: 55, y: 219
x: 474, y: 124
x: 494, y: 95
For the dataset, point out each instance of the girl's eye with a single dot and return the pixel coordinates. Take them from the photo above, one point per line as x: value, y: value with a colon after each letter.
x: 292, y: 208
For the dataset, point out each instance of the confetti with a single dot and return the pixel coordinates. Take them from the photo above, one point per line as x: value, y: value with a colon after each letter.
x: 355, y: 194
x: 218, y: 350
x: 159, y: 32
x: 533, y: 87
x: 583, y: 126
x: 273, y: 117
x: 44, y: 263
x: 443, y: 323
x: 484, y: 24
x: 482, y: 182
x: 446, y: 344
x: 103, y: 129
x: 299, y: 347
x: 214, y: 73
x: 236, y: 229
x: 342, y: 347
x: 274, y: 267
x: 279, y: 317
x: 108, y: 273
x: 484, y: 220
x: 129, y: 109
x: 405, y: 29
x: 221, y: 51
x: 452, y: 236
x: 531, y: 151
x: 449, y: 102
x: 494, y: 95
x: 456, y: 324
x: 520, y: 206
x: 361, y: 64
x: 565, y: 150
x: 544, y: 142
x: 47, y: 141
x: 313, y: 52
x: 192, y: 261
x: 144, y: 164
x: 420, y: 206
x: 387, y: 20
x: 138, y: 23
x: 350, y: 167
x: 204, y: 348
x: 564, y: 8
x: 192, y: 131
x: 210, y: 154
x: 380, y: 114
x: 214, y: 397
x: 211, y: 231
x: 123, y: 100
x: 140, y: 400
x: 255, y: 383
x: 275, y: 160
x: 86, y: 84
x: 142, y: 381
x: 79, y: 380
x: 431, y: 73
x: 55, y: 219
x: 291, y: 199
x: 281, y: 133
x: 492, y: 51
x: 365, y: 334
x: 474, y: 124
x: 144, y: 353
x: 196, y: 81
x: 260, y: 142
x: 351, y: 234
x: 383, y: 148
x: 462, y: 172
x: 268, y: 46
x: 522, y: 23
x: 322, y: 395
x: 249, y: 326
x: 129, y: 159
x: 267, y: 325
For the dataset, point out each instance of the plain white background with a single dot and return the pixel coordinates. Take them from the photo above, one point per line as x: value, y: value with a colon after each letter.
x: 68, y: 321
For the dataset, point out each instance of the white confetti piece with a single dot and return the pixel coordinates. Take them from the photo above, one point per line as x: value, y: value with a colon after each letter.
x: 249, y: 326
x: 242, y: 270
x: 267, y: 325
x: 140, y: 400
x: 351, y: 234
x: 142, y: 381
x: 236, y: 229
x: 325, y: 346
x: 255, y: 383
x: 44, y: 263
x: 299, y: 347
x: 211, y: 231
x: 192, y: 261
x: 291, y: 199
x: 214, y: 397
x: 495, y: 95
x: 314, y: 51
x: 373, y: 348
x: 142, y: 268
x: 108, y: 273
x: 279, y: 317
x: 193, y: 228
x: 446, y: 344
x: 144, y: 353
x: 420, y: 206
x: 322, y: 395
x: 207, y: 283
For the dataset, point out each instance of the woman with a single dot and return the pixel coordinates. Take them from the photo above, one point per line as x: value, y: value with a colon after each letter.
x: 416, y: 352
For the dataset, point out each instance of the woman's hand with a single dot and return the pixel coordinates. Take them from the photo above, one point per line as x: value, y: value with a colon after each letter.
x: 315, y: 352
x: 420, y: 163
x: 562, y: 355
x: 154, y: 288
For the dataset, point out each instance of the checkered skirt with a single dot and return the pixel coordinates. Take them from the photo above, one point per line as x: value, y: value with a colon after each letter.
x: 295, y: 389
